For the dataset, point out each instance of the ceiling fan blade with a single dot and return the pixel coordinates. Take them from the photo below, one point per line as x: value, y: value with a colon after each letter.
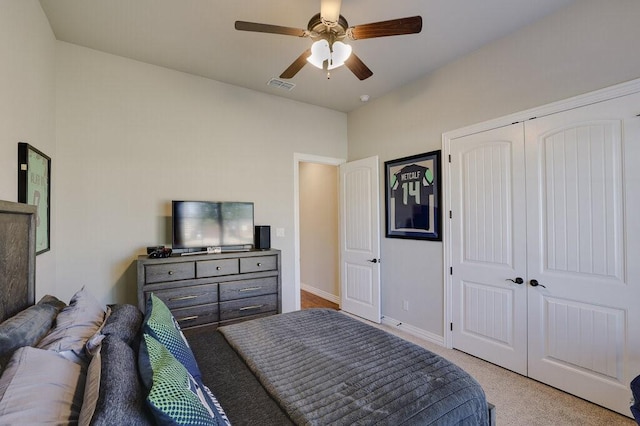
x: 272, y: 29
x: 330, y: 10
x: 411, y: 25
x: 358, y: 67
x: 296, y: 65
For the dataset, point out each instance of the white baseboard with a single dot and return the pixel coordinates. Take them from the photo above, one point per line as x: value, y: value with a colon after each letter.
x: 414, y: 331
x: 321, y: 293
x: 388, y: 321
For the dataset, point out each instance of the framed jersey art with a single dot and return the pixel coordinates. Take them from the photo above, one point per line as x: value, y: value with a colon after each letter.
x: 413, y: 197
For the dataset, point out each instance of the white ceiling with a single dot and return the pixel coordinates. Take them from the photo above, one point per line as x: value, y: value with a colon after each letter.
x: 198, y: 37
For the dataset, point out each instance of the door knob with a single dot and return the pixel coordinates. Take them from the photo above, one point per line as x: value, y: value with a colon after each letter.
x: 518, y: 280
x: 373, y: 260
x: 535, y: 283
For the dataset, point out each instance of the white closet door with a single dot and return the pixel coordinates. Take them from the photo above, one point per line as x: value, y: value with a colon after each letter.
x: 489, y: 246
x: 583, y: 236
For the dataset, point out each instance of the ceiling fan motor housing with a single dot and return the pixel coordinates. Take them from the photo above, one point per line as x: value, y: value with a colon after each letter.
x: 318, y: 29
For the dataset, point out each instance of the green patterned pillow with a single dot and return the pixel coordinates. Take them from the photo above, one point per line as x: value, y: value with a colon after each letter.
x: 175, y: 398
x: 160, y: 324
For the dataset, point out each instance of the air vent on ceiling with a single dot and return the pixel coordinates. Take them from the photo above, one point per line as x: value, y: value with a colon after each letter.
x: 274, y: 82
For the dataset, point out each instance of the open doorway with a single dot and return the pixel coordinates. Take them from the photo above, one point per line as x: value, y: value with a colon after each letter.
x: 317, y: 231
x: 319, y: 250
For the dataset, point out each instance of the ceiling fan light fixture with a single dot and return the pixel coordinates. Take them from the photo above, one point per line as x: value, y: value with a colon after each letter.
x: 340, y: 54
x: 321, y: 52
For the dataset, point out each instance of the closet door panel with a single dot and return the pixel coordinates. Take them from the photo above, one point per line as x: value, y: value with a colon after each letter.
x: 583, y: 314
x: 489, y: 247
x: 580, y: 198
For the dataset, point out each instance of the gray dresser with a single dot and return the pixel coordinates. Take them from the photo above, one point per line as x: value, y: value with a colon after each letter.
x: 213, y: 289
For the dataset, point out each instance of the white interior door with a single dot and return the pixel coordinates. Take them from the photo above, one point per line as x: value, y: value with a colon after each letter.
x: 360, y: 238
x: 488, y: 231
x: 583, y: 199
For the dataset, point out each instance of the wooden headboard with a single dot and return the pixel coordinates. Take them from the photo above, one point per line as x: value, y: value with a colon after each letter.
x: 17, y: 257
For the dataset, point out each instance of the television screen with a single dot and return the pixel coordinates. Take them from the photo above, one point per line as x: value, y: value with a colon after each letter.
x: 202, y: 224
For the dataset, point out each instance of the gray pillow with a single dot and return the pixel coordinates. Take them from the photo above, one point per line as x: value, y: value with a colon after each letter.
x: 121, y: 397
x: 91, y: 389
x: 27, y: 327
x: 40, y: 387
x: 75, y: 324
x: 124, y: 323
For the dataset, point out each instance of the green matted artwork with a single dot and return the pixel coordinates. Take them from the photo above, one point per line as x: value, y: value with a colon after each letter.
x: 413, y: 197
x: 34, y: 187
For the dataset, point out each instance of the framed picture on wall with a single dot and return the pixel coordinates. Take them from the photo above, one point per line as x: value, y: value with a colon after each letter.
x: 413, y: 197
x: 34, y: 187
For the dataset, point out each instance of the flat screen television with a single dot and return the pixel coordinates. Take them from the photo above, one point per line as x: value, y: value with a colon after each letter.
x: 198, y: 225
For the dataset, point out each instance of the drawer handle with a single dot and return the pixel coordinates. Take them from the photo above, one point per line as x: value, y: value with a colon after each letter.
x: 259, y: 264
x: 242, y: 290
x: 175, y: 299
x: 218, y: 268
x: 249, y: 308
x: 170, y: 272
x: 194, y: 317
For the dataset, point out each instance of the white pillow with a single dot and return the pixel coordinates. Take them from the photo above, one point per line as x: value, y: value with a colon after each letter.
x: 40, y: 386
x: 75, y: 324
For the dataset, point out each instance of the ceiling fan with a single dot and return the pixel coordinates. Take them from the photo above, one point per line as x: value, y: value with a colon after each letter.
x: 328, y: 29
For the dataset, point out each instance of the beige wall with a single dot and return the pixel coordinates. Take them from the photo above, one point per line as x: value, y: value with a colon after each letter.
x: 319, y: 254
x: 132, y: 137
x: 590, y: 45
x: 126, y: 138
x: 27, y: 106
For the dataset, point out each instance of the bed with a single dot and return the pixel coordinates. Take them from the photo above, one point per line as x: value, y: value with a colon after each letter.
x: 313, y: 367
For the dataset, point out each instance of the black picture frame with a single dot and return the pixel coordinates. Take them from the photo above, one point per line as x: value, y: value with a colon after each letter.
x: 414, y: 197
x: 34, y: 187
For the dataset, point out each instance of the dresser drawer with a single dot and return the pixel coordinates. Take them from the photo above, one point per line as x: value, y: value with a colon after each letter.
x: 188, y: 296
x: 249, y: 306
x: 169, y: 272
x: 258, y: 263
x: 248, y: 288
x: 216, y: 268
x: 196, y: 315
